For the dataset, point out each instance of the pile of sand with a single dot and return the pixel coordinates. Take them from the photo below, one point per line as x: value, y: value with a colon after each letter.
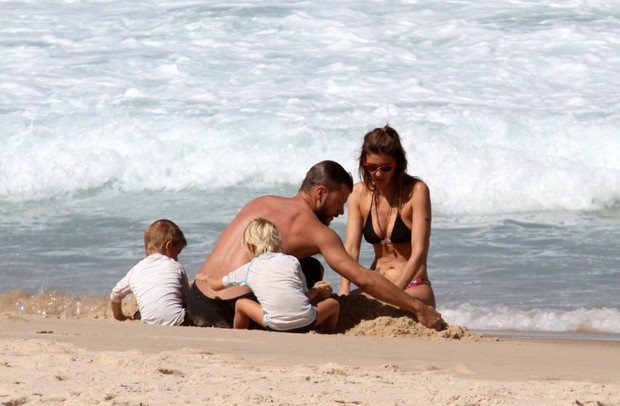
x: 361, y: 315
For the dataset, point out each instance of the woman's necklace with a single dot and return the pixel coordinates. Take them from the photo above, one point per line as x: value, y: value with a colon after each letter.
x: 385, y: 239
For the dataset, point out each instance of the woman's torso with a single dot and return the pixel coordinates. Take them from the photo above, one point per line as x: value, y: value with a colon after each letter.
x: 392, y: 244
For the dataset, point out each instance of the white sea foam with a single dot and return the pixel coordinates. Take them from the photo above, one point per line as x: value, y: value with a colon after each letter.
x: 485, y: 173
x: 502, y: 318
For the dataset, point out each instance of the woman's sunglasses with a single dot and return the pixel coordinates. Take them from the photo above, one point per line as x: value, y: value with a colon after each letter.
x: 382, y: 168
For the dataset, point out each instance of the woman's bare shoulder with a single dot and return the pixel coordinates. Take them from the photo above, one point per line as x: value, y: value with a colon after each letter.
x: 359, y: 187
x: 415, y: 188
x: 420, y: 185
x: 361, y: 194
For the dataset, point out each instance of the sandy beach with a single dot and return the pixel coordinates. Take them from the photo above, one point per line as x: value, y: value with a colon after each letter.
x: 52, y: 360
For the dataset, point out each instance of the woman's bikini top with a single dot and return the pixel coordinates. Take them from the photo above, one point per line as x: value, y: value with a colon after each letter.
x: 400, y: 232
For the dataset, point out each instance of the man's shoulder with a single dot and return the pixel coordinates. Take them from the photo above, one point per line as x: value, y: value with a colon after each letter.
x: 264, y: 205
x: 267, y: 199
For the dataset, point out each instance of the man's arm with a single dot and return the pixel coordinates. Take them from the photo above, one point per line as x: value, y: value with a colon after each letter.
x: 353, y: 238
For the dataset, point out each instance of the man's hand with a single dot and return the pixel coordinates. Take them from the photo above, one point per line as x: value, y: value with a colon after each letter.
x: 431, y: 318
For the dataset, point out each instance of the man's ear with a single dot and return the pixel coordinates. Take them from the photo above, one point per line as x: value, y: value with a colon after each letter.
x: 320, y: 193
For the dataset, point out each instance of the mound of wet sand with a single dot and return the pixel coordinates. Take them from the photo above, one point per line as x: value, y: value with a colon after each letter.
x: 361, y: 315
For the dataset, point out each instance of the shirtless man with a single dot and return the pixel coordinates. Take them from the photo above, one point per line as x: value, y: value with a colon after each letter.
x: 303, y: 221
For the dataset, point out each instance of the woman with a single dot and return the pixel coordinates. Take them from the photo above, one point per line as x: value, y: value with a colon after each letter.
x: 392, y: 210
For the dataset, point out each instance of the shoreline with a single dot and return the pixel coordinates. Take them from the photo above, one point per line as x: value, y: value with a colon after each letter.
x: 75, y: 361
x: 377, y: 319
x: 547, y: 335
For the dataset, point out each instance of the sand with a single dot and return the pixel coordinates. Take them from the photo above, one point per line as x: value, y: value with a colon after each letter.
x: 79, y: 361
x: 387, y: 359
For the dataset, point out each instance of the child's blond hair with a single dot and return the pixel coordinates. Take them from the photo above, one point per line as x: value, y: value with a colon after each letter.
x: 159, y: 233
x: 262, y: 234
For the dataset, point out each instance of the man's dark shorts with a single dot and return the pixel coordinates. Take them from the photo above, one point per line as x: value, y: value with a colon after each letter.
x: 313, y: 270
x: 206, y: 312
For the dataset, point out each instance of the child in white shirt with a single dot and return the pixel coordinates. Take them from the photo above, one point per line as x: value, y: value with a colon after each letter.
x: 158, y: 282
x: 279, y: 285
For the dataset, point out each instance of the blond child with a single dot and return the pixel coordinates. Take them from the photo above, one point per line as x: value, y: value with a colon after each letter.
x: 279, y: 285
x: 158, y: 282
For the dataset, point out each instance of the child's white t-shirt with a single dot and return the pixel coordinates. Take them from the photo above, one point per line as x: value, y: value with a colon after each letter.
x: 160, y: 286
x: 280, y: 287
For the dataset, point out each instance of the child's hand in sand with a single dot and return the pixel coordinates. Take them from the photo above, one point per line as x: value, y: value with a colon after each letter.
x: 323, y: 289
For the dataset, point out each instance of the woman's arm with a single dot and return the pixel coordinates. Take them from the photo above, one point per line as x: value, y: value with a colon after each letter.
x: 420, y: 235
x: 354, y: 233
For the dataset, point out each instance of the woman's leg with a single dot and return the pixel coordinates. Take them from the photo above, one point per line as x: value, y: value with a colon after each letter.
x: 424, y: 293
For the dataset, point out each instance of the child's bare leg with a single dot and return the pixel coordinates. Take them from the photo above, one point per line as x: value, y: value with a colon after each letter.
x: 246, y: 309
x: 327, y: 313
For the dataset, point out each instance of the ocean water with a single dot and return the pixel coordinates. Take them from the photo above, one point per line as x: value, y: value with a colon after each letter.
x: 114, y: 114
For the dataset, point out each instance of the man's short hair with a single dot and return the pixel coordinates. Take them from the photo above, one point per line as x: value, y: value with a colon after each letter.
x: 329, y: 174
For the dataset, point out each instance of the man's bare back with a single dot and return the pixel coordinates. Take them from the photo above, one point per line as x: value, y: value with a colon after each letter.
x: 293, y: 218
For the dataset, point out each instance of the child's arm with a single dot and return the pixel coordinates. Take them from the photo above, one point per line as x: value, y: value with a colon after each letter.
x: 238, y: 277
x: 321, y: 289
x: 121, y: 290
x: 184, y: 288
x: 117, y: 311
x: 215, y: 283
x: 311, y: 294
